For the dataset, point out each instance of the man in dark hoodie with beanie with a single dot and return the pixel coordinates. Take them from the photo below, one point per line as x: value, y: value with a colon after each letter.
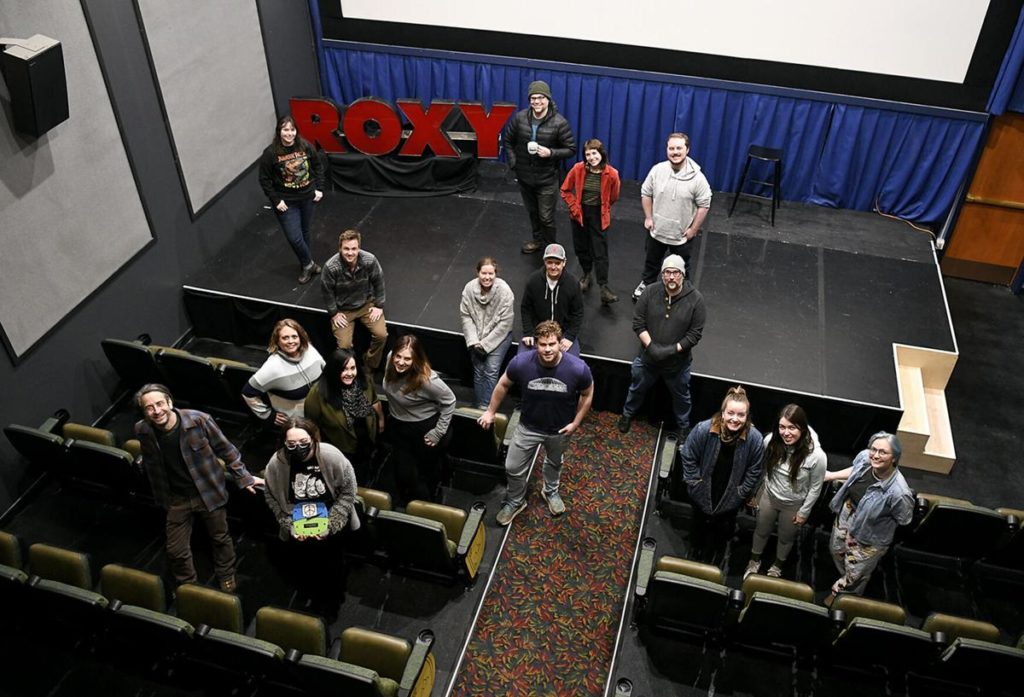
x: 537, y: 139
x: 669, y: 321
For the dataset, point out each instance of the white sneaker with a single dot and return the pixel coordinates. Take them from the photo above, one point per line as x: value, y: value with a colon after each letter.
x: 639, y: 291
x: 774, y: 571
x: 753, y: 567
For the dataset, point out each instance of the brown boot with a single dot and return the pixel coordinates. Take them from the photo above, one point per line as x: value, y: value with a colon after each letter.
x: 585, y: 283
x: 607, y: 296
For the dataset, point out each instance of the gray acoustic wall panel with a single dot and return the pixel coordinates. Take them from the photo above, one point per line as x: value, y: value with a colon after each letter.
x: 209, y: 62
x: 70, y: 214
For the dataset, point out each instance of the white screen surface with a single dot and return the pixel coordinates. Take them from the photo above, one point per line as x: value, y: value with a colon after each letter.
x: 924, y: 39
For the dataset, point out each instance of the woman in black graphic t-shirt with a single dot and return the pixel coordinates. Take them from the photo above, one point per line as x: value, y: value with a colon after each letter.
x: 292, y: 177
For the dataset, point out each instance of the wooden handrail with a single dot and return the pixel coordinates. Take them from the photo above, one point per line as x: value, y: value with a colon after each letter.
x: 1018, y: 205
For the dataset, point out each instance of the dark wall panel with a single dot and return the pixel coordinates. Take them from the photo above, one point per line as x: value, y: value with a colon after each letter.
x: 68, y: 369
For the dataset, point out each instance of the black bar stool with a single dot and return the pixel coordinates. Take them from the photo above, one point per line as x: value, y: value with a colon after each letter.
x: 773, y: 155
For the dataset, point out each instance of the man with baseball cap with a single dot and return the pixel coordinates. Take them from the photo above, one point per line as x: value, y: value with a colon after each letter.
x: 552, y: 293
x: 669, y: 321
x: 537, y: 140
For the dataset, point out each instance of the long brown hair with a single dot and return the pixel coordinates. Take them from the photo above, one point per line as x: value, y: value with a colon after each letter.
x: 775, y: 455
x: 419, y: 372
x: 736, y: 393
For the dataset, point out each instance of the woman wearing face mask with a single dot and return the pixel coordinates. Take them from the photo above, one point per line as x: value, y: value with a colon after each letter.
x: 420, y: 408
x: 794, y: 469
x: 874, y: 500
x: 292, y: 178
x: 590, y: 188
x: 488, y: 311
x: 311, y: 489
x: 344, y: 404
x: 721, y: 462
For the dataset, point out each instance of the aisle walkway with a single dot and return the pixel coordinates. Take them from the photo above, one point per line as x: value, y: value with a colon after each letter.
x: 549, y: 621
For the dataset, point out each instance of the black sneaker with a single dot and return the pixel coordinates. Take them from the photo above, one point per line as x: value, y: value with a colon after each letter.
x: 639, y: 291
x: 624, y: 423
x: 531, y: 247
x: 607, y: 296
x: 585, y: 283
x: 307, y: 273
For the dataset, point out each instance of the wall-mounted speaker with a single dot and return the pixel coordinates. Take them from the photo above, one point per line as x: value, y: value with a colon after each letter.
x: 34, y: 73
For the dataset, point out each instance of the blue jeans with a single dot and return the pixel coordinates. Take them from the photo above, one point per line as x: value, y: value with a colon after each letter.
x: 678, y: 382
x: 487, y: 370
x: 296, y: 222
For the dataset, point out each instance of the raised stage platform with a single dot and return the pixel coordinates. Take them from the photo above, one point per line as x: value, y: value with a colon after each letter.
x: 806, y: 311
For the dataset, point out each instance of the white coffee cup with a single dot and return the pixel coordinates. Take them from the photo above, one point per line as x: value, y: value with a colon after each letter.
x: 531, y: 147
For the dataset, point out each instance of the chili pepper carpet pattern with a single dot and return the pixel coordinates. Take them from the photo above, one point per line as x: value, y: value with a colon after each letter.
x: 549, y: 621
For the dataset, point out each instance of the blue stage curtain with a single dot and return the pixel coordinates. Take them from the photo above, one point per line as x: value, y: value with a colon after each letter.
x: 835, y: 154
x: 1008, y: 92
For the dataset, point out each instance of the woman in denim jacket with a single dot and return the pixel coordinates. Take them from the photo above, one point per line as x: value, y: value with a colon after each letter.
x: 873, y: 501
x: 721, y: 468
x: 794, y: 470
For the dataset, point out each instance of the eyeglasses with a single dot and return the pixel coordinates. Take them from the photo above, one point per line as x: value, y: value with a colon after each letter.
x: 671, y: 272
x: 878, y: 451
x: 293, y: 444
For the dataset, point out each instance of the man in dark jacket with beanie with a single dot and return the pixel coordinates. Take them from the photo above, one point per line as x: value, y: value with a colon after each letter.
x: 552, y: 293
x: 669, y: 321
x: 537, y: 140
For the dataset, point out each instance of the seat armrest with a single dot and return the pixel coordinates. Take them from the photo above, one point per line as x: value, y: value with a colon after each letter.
x: 469, y: 529
x: 513, y: 422
x: 420, y: 663
x: 645, y: 567
x: 667, y: 457
x: 55, y: 423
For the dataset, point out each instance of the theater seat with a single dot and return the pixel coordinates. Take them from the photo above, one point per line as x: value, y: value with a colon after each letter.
x: 234, y: 376
x: 434, y: 539
x: 683, y: 596
x: 133, y: 587
x: 374, y: 498
x: 475, y: 446
x: 955, y: 528
x: 91, y: 434
x: 780, y: 614
x: 954, y: 627
x: 103, y: 465
x: 199, y: 605
x: 134, y: 362
x: 998, y: 669
x: 45, y: 450
x: 10, y: 550
x: 372, y: 664
x: 62, y: 565
x: 195, y: 381
x: 292, y: 631
x: 875, y: 637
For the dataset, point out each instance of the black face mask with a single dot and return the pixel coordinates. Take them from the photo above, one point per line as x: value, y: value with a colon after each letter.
x: 299, y: 453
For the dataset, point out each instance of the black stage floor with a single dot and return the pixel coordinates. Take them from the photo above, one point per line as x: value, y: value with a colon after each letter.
x: 811, y: 306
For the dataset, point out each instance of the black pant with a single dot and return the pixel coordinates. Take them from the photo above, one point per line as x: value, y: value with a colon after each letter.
x: 539, y: 200
x: 417, y: 466
x: 656, y: 253
x: 590, y: 243
x: 710, y: 534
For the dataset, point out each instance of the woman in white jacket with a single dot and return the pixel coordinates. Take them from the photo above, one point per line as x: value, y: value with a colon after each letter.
x: 794, y: 469
x: 488, y: 312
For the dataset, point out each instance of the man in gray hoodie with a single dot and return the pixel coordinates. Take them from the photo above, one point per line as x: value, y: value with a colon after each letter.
x: 675, y: 197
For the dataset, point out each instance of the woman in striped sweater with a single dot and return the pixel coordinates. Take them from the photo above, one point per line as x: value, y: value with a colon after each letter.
x: 277, y: 390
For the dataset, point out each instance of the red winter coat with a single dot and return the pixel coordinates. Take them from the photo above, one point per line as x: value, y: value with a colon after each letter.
x: 572, y: 191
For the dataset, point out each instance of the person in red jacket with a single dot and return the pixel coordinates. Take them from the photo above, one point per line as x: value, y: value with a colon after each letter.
x: 590, y: 189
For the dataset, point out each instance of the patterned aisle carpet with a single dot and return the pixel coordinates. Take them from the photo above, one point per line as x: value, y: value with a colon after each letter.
x: 548, y: 623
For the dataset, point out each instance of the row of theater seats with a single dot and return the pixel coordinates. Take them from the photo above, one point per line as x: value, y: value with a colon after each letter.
x: 204, y: 382
x: 689, y: 599
x: 127, y: 622
x: 429, y: 539
x: 78, y: 452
